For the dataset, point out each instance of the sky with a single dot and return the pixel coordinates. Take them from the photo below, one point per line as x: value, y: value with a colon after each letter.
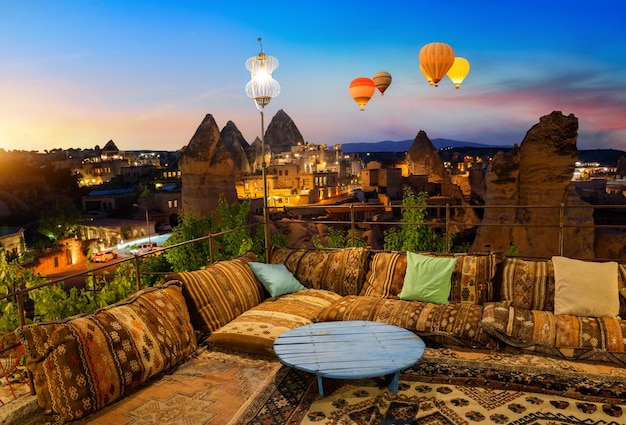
x: 78, y: 73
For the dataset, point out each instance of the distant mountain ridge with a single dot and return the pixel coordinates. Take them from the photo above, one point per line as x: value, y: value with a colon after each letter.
x: 403, y: 145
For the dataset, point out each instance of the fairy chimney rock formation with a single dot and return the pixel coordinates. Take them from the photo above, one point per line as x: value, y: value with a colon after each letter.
x: 207, y: 171
x: 236, y: 144
x: 282, y: 133
x: 538, y: 173
x: 423, y: 158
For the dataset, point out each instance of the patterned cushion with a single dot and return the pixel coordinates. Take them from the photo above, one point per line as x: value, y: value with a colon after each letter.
x: 602, y: 333
x: 84, y: 363
x: 385, y: 277
x: 221, y: 292
x: 563, y: 335
x: 519, y: 327
x: 472, y: 278
x: 341, y: 271
x: 528, y: 284
x: 621, y: 284
x: 256, y: 329
x: 457, y: 323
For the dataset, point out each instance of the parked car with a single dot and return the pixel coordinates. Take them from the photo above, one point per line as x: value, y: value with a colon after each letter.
x: 103, y: 256
x: 164, y: 227
x: 146, y: 247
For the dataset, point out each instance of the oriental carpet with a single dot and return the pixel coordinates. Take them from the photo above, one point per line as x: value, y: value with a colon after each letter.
x: 445, y: 387
x: 453, y: 387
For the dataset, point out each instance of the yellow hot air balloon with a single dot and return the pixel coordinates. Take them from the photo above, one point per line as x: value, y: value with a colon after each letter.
x: 459, y: 70
x: 436, y: 59
x: 382, y: 79
x: 362, y: 89
x: 428, y: 77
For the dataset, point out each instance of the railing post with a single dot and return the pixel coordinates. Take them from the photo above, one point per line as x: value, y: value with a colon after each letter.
x: 352, y: 224
x: 561, y: 228
x: 138, y: 272
x: 447, y: 230
x: 21, y: 311
x: 211, y: 247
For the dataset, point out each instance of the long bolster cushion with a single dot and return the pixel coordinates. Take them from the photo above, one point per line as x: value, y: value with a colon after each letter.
x: 255, y: 330
x: 84, y: 363
x: 456, y: 323
x: 222, y: 291
x: 562, y: 335
x: 341, y: 271
x: 471, y: 282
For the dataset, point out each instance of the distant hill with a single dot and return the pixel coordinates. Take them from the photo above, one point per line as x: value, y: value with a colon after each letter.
x: 404, y: 145
x: 606, y: 157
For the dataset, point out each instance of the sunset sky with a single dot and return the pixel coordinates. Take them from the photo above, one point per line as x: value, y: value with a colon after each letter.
x: 77, y: 73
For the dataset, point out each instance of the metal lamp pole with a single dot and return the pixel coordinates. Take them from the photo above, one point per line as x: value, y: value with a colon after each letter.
x: 262, y: 88
x: 147, y: 220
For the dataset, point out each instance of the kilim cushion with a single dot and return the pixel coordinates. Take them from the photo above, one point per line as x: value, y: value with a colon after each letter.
x: 527, y: 284
x: 255, y: 330
x: 472, y: 277
x: 519, y: 327
x: 221, y: 292
x: 84, y: 363
x: 457, y: 323
x: 621, y: 284
x: 341, y: 271
x: 591, y: 333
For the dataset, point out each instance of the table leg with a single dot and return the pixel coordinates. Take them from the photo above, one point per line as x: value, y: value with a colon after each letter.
x: 319, y: 385
x: 393, y: 381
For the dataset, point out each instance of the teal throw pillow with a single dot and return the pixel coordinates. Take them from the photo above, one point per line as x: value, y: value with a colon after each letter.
x: 276, y: 278
x: 427, y: 278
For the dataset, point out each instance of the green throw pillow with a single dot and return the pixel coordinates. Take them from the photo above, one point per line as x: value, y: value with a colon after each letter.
x: 276, y: 278
x: 427, y: 278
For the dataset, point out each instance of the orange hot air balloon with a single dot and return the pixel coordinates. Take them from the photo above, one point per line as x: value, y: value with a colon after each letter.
x: 362, y: 89
x: 428, y: 77
x: 459, y: 70
x: 436, y: 59
x: 382, y: 79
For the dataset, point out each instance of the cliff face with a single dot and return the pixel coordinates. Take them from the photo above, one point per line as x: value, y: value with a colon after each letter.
x: 207, y: 169
x: 537, y: 173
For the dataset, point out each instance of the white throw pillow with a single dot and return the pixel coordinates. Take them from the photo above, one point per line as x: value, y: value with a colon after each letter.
x: 585, y: 288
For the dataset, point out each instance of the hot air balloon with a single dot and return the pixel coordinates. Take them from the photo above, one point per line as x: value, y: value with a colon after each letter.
x: 361, y: 90
x: 436, y: 59
x: 382, y: 80
x: 428, y: 77
x: 459, y: 70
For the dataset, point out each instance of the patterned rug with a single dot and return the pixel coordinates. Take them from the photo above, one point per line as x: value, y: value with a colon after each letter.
x: 451, y: 387
x: 208, y: 388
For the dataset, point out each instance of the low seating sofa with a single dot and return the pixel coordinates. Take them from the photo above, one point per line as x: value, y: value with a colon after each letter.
x: 487, y: 302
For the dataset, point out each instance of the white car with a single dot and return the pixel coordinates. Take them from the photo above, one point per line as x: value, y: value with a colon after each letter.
x: 104, y: 256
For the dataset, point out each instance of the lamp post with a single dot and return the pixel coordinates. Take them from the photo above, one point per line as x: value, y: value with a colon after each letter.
x: 261, y: 89
x: 147, y: 221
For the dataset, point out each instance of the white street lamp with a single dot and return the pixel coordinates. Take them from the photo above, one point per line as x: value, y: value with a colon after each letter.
x: 262, y: 88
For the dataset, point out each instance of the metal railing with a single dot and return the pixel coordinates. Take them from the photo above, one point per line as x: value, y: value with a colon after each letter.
x: 445, y: 223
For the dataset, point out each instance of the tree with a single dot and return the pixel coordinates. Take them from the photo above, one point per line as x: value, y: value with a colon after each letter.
x: 414, y: 235
x: 60, y: 222
x: 338, y: 238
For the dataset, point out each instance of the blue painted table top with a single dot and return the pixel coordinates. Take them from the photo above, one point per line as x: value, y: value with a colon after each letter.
x: 350, y: 350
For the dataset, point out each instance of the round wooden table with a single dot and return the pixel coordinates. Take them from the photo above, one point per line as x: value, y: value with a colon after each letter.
x: 350, y: 350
